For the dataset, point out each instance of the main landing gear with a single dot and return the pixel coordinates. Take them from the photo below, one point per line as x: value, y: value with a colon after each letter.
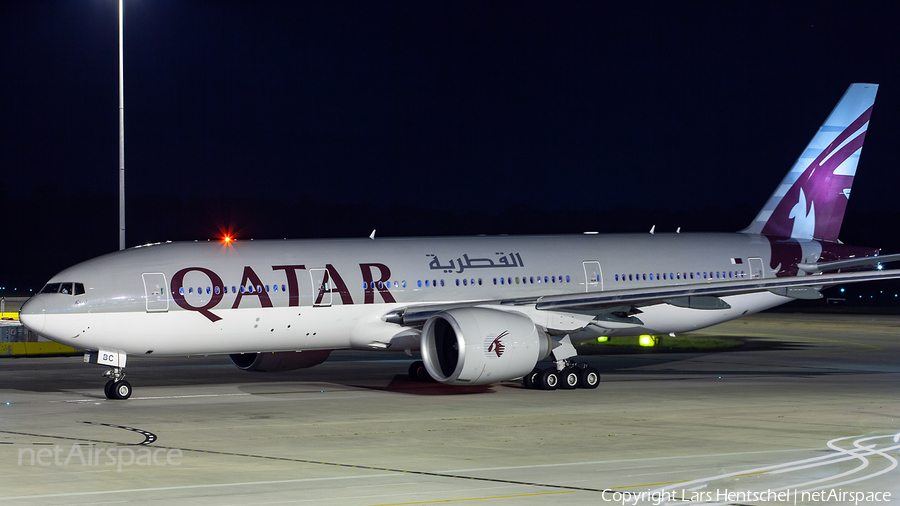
x: 571, y: 376
x: 564, y: 374
x: 417, y: 372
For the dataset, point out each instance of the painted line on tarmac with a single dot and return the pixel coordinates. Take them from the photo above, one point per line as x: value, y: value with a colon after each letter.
x: 594, y: 462
x: 388, y: 470
x: 438, y: 501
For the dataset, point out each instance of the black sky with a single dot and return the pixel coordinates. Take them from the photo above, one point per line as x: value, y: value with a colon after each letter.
x: 312, y: 119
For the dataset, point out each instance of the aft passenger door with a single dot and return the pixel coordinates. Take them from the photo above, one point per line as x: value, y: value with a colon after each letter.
x: 155, y: 292
x: 593, y: 276
x: 756, y: 268
x: 321, y: 289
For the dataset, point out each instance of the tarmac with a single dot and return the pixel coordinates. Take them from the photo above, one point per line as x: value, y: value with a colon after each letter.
x: 806, y: 412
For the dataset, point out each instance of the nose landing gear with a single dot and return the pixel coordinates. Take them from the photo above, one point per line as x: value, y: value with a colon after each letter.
x: 117, y: 387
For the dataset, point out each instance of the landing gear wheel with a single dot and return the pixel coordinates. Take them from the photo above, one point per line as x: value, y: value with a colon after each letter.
x: 108, y: 389
x: 117, y: 389
x: 590, y: 378
x: 530, y: 380
x: 122, y: 390
x: 569, y: 379
x: 548, y: 380
x: 417, y: 372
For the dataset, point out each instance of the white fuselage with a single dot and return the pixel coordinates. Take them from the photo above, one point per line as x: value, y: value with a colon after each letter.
x: 254, y: 296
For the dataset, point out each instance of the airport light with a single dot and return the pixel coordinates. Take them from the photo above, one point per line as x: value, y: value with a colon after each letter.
x: 647, y: 341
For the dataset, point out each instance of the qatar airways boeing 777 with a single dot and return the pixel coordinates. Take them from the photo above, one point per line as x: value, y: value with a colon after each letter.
x: 480, y: 309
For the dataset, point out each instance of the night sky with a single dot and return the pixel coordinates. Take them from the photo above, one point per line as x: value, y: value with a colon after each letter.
x: 330, y: 119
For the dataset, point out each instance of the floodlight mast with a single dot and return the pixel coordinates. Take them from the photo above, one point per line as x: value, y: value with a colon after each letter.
x: 121, y: 139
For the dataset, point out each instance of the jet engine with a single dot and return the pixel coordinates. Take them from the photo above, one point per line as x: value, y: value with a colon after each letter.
x: 475, y: 346
x: 279, y: 360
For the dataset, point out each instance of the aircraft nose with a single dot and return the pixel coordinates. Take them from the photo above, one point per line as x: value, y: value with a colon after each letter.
x: 32, y: 314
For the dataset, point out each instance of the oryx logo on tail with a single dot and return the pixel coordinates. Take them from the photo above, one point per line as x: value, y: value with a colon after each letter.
x: 811, y: 199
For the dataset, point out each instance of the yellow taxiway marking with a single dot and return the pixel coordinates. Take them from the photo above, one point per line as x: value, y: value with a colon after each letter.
x: 475, y: 498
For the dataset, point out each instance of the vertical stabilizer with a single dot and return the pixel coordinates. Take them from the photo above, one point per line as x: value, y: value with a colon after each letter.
x: 811, y: 200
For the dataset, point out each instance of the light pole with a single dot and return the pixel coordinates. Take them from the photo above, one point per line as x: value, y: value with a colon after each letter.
x: 121, y: 139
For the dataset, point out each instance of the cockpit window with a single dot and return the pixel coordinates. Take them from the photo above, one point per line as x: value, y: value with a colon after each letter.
x: 51, y: 288
x: 66, y: 288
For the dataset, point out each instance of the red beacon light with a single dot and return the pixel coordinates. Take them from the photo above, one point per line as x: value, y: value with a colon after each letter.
x: 227, y: 239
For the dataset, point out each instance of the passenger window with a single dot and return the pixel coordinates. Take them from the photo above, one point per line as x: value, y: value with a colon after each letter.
x: 403, y: 283
x: 479, y: 281
x: 419, y: 282
x: 567, y: 278
x: 651, y: 277
x: 426, y: 282
x: 181, y: 290
x: 442, y: 282
x: 217, y: 290
x: 517, y: 280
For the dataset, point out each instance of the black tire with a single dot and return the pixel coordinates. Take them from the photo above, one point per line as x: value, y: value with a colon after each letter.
x: 549, y: 379
x: 108, y: 389
x: 530, y: 380
x: 569, y: 379
x: 417, y: 372
x: 122, y: 390
x: 590, y: 378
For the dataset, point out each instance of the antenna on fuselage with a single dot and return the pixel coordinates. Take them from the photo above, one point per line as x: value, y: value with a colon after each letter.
x: 372, y: 235
x: 652, y: 229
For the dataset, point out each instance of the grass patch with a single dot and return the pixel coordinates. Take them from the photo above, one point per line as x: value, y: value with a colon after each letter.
x: 666, y: 343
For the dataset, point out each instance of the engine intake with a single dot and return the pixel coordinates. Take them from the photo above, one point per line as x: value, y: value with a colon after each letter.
x: 279, y: 360
x: 475, y: 346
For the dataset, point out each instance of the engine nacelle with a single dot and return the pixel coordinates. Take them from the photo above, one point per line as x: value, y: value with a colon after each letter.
x: 279, y: 360
x: 475, y: 346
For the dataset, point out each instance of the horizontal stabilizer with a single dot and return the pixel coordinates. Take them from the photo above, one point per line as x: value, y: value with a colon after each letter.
x: 846, y: 264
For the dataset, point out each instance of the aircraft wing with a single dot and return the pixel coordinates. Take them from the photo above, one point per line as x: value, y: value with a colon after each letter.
x: 697, y: 296
x: 708, y: 294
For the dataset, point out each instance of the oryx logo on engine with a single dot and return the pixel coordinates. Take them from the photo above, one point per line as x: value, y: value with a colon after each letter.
x: 493, y: 346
